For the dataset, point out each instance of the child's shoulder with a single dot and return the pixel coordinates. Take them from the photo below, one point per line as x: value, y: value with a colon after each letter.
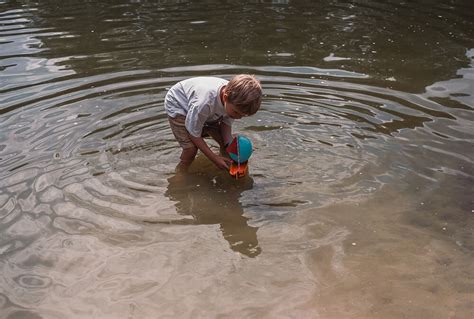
x: 203, y: 83
x: 205, y: 79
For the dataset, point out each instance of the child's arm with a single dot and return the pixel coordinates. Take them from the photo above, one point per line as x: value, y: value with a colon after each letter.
x: 220, y: 161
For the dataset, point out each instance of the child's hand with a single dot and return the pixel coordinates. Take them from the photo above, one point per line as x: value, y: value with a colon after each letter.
x: 222, y: 162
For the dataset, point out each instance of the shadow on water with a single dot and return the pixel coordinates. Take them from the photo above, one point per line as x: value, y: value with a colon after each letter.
x: 214, y: 200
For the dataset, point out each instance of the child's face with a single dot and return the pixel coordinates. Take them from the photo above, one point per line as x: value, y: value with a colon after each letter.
x: 231, y: 110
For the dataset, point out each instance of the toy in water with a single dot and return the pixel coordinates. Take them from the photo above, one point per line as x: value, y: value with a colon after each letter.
x: 239, y: 151
x: 238, y: 170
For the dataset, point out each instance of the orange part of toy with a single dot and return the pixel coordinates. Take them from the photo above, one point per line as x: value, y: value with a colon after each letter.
x: 238, y: 170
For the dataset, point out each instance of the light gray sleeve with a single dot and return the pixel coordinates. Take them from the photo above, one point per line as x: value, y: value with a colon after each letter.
x: 195, y: 119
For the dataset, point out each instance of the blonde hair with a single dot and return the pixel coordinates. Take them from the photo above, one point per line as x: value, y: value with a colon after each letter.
x: 244, y: 91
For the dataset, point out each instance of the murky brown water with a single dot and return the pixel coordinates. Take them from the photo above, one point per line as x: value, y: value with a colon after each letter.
x: 360, y: 199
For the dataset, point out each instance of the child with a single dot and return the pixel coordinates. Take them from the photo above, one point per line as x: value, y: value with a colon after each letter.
x: 203, y: 106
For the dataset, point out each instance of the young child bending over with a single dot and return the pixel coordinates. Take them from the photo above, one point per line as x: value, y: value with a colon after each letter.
x: 207, y: 106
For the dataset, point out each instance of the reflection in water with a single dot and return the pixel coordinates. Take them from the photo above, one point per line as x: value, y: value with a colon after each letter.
x: 216, y: 201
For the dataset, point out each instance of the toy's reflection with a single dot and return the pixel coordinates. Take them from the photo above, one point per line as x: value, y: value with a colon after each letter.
x: 215, y: 200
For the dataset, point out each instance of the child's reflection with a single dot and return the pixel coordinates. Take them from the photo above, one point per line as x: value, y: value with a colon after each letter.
x: 216, y: 201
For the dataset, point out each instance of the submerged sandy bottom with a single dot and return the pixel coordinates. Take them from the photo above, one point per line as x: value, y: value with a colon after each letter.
x: 373, y: 256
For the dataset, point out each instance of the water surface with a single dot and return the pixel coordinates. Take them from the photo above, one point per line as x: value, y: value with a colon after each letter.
x: 359, y: 200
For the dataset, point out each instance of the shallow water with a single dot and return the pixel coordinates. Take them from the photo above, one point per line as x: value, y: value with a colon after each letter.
x: 359, y: 200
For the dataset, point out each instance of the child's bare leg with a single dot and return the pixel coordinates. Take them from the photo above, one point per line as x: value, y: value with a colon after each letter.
x: 217, y: 136
x: 186, y: 158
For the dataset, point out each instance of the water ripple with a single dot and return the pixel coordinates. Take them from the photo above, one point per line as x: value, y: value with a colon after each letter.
x: 30, y: 281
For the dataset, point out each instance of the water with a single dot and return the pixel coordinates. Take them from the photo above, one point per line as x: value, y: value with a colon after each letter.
x: 359, y: 200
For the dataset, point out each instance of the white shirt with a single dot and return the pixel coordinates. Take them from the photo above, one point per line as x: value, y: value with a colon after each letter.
x: 198, y: 99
